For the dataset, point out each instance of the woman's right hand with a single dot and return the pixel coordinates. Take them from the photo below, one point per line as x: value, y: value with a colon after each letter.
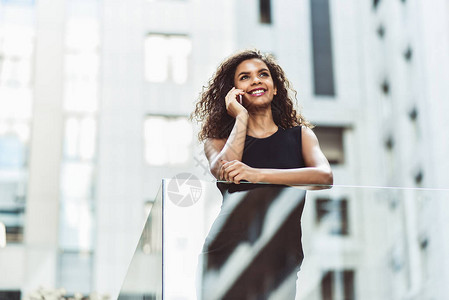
x: 233, y: 107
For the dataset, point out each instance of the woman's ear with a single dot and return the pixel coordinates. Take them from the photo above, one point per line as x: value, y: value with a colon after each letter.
x: 275, y: 91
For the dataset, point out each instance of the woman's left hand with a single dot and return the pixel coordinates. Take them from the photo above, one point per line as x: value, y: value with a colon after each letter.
x: 235, y: 171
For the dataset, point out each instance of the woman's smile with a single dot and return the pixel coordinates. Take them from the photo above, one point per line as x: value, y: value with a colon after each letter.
x: 257, y: 92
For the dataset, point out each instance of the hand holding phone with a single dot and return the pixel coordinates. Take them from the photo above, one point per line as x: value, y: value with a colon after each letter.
x: 233, y: 96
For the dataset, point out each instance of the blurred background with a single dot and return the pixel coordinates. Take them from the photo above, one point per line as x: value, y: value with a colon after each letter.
x: 95, y: 98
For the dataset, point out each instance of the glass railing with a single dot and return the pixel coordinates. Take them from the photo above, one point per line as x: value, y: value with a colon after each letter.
x: 263, y: 241
x: 144, y: 277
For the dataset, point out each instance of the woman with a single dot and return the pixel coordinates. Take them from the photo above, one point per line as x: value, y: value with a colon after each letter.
x: 253, y: 134
x: 266, y: 107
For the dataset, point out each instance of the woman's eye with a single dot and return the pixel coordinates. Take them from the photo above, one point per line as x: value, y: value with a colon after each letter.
x: 264, y: 74
x: 244, y: 77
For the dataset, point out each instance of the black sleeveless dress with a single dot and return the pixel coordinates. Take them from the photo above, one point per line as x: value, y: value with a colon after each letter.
x: 244, y: 219
x: 281, y: 150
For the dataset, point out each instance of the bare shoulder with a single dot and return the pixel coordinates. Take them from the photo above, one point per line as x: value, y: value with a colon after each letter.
x: 308, y: 136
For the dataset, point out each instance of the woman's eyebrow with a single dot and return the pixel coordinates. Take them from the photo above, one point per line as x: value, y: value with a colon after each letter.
x: 246, y: 73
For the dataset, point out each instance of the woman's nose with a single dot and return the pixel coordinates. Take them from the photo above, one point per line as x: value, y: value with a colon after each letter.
x: 256, y: 80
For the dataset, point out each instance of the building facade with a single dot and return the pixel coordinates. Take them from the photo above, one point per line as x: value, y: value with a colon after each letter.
x: 94, y: 105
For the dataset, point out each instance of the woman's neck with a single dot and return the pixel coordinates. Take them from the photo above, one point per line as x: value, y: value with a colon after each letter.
x: 261, y: 124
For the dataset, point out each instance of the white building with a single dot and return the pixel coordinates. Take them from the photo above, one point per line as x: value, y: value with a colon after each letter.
x: 92, y: 94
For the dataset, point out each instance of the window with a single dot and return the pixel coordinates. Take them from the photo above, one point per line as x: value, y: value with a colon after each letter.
x: 18, y: 2
x: 12, y: 152
x: 12, y: 210
x: 16, y: 50
x: 385, y: 87
x: 338, y: 285
x: 265, y: 11
x: 10, y: 295
x: 376, y: 3
x: 331, y: 142
x: 166, y: 58
x: 389, y: 142
x: 75, y: 271
x: 168, y: 140
x: 77, y: 210
x: 323, y: 71
x: 413, y: 114
x: 16, y: 56
x: 381, y: 31
x: 80, y: 137
x: 2, y: 235
x: 332, y: 215
x: 418, y: 177
x: 408, y: 54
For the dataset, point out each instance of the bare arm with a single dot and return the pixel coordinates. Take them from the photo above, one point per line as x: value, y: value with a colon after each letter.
x: 218, y: 150
x: 317, y: 170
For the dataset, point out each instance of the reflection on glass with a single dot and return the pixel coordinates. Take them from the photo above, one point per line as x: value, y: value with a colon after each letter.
x: 254, y: 246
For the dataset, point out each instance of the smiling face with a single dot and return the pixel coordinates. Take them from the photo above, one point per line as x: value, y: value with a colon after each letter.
x: 254, y: 77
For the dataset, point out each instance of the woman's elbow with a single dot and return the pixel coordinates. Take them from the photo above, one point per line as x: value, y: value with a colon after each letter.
x: 214, y: 169
x: 327, y: 177
x: 330, y: 178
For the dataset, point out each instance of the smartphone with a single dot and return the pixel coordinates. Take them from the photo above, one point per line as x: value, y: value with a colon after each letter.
x: 240, y: 99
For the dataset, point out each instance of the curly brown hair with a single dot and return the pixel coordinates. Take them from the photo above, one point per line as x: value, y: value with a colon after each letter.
x: 211, y: 107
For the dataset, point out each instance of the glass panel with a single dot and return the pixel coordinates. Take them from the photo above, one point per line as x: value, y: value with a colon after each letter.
x: 144, y: 277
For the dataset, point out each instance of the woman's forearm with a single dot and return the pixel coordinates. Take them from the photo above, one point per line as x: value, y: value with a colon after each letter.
x: 233, y: 149
x: 300, y: 176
